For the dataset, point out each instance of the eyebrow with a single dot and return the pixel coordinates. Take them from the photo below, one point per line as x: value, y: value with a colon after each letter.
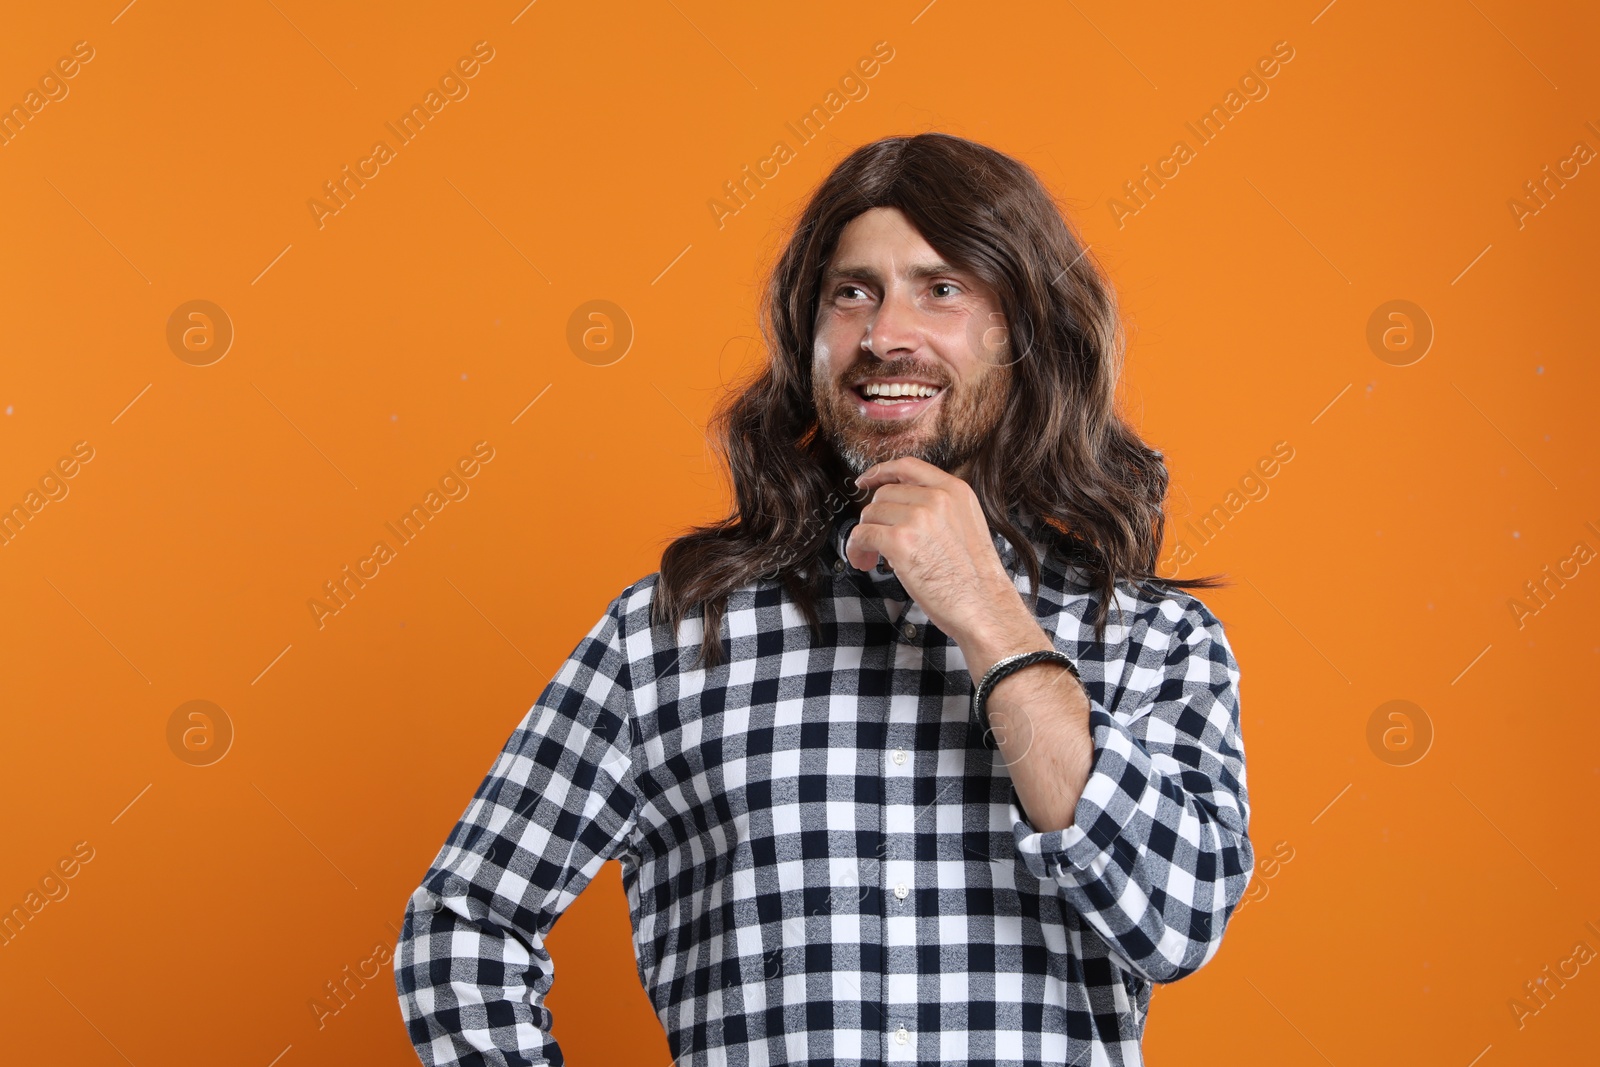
x: 861, y: 271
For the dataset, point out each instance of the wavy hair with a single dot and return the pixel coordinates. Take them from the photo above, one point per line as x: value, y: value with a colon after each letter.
x: 1062, y: 455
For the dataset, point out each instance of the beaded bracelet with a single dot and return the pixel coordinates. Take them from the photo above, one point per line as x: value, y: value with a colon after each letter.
x: 991, y: 677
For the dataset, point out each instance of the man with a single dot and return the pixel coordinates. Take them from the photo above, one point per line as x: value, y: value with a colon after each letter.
x: 832, y: 853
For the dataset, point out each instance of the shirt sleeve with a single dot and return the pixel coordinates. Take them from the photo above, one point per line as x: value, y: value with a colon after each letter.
x: 471, y: 967
x: 1158, y: 853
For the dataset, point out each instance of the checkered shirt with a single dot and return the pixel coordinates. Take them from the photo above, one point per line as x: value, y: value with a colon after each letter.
x: 824, y: 861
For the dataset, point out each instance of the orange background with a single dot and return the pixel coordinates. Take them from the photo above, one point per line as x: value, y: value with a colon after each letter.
x: 372, y: 352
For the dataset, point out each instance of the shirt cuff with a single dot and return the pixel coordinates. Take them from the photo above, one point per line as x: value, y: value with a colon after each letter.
x: 1122, y: 780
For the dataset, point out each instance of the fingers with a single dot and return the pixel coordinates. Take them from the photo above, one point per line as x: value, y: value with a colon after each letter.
x: 890, y: 513
x: 869, y: 540
x: 859, y: 550
x: 888, y: 504
x: 907, y: 470
x: 897, y: 493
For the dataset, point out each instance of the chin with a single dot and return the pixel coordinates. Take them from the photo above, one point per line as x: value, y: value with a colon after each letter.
x: 859, y: 456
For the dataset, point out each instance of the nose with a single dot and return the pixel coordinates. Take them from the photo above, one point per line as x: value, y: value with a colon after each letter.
x: 894, y: 329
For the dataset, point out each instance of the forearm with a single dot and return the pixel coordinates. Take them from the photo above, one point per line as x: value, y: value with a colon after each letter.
x: 1038, y: 717
x: 1154, y: 848
x: 1157, y: 859
x: 483, y: 1008
x: 1151, y: 849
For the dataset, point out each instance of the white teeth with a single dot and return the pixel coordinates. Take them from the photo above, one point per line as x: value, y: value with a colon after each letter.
x: 898, y: 389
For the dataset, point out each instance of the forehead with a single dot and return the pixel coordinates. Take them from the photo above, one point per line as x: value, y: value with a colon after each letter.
x: 882, y: 232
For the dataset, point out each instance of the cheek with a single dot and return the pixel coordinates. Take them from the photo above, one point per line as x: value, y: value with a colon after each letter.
x: 821, y: 357
x: 969, y: 346
x: 983, y: 389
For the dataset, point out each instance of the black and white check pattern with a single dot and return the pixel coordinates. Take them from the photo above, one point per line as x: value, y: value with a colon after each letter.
x: 825, y: 863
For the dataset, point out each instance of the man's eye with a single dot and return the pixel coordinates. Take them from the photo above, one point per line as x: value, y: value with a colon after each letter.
x: 844, y: 290
x: 945, y: 285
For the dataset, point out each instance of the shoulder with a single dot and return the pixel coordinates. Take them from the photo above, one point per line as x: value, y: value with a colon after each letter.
x: 1174, y: 623
x: 1181, y: 613
x: 629, y: 616
x: 634, y: 602
x: 647, y: 643
x: 1154, y: 628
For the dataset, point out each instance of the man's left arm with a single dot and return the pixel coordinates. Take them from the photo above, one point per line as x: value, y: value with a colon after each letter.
x: 1140, y: 819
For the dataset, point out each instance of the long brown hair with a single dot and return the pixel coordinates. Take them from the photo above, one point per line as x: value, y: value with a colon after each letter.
x: 1062, y: 454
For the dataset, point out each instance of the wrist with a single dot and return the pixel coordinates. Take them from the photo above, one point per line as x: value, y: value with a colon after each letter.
x: 1004, y: 636
x: 1002, y: 674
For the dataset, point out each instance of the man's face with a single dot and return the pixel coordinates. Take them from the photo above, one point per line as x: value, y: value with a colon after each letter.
x: 892, y: 315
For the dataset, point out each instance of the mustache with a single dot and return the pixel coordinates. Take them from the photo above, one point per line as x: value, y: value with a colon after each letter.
x: 900, y: 370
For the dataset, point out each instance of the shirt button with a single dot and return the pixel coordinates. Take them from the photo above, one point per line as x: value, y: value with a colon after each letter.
x: 900, y: 891
x: 910, y: 631
x: 901, y: 1036
x: 899, y: 756
x: 838, y: 566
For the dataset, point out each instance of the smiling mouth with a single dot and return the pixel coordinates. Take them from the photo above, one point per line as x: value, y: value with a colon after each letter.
x: 918, y: 396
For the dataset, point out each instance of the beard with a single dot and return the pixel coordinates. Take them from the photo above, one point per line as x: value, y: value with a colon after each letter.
x: 949, y: 436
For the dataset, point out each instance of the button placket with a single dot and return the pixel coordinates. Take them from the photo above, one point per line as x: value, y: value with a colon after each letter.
x: 900, y: 988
